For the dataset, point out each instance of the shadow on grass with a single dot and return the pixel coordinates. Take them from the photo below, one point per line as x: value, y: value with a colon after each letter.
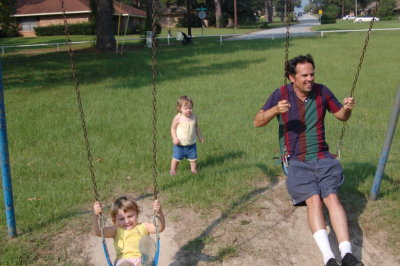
x: 354, y: 203
x: 192, y: 251
x: 211, y: 160
x: 132, y: 70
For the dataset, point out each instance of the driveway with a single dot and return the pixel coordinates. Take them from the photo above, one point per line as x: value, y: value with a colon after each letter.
x: 303, y: 28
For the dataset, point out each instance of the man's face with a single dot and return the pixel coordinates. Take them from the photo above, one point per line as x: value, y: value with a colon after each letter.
x: 303, y: 80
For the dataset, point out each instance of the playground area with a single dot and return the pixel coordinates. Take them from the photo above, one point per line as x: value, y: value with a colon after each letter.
x: 236, y: 210
x: 270, y: 232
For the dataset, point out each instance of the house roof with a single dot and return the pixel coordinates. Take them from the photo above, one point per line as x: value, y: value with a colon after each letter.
x: 125, y: 10
x: 26, y: 8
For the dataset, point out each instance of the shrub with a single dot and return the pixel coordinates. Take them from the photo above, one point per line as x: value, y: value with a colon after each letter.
x: 328, y: 19
x: 9, y: 30
x: 183, y: 22
x: 330, y: 14
x: 264, y: 25
x: 74, y: 29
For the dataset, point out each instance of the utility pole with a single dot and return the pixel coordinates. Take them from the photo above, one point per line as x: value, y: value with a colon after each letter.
x: 356, y: 7
x: 188, y: 18
x: 235, y: 11
x: 342, y: 8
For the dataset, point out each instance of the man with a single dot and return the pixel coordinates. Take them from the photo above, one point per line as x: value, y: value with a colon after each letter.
x: 313, y: 174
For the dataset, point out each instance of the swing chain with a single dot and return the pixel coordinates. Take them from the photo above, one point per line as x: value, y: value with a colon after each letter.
x: 156, y: 223
x: 78, y: 98
x: 356, y: 76
x: 287, y: 37
x: 154, y: 93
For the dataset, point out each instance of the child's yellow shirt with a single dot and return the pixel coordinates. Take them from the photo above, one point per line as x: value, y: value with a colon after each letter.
x: 126, y: 242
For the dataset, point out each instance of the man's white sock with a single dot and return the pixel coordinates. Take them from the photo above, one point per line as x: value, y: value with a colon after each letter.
x: 321, y: 238
x: 344, y: 247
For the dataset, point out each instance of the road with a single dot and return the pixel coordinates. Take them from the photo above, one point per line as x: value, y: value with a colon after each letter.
x: 303, y: 28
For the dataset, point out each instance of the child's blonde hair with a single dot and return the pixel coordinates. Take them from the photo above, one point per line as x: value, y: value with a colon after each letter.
x: 124, y: 204
x: 182, y: 101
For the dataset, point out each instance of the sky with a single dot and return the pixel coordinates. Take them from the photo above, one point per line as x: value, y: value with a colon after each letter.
x: 303, y: 4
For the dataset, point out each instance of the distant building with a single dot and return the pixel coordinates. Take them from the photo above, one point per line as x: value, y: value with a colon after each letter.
x: 169, y: 16
x: 370, y: 9
x: 30, y: 14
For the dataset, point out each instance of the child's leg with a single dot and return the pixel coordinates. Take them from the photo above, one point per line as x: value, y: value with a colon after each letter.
x: 174, y: 165
x: 129, y: 262
x: 193, y: 167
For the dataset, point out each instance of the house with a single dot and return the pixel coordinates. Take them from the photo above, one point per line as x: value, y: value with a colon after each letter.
x: 370, y: 9
x: 397, y: 9
x: 169, y: 16
x: 38, y: 13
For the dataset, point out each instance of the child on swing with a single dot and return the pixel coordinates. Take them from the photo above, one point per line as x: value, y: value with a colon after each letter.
x: 126, y: 231
x: 184, y: 130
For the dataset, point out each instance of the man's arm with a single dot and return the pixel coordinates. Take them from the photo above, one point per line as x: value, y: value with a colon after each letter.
x: 345, y: 112
x: 262, y: 118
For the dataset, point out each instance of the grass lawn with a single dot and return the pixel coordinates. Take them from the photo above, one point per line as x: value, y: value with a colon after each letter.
x: 350, y: 25
x: 228, y: 83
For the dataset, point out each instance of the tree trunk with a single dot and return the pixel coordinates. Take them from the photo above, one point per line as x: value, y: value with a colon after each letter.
x: 268, y: 11
x: 149, y: 16
x: 218, y: 13
x: 104, y: 26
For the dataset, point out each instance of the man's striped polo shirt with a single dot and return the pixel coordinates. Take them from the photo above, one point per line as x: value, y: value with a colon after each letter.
x: 304, y: 138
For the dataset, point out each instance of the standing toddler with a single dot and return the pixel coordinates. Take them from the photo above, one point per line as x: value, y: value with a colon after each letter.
x: 184, y: 130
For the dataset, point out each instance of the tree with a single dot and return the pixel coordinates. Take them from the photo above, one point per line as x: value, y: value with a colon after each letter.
x: 282, y: 6
x: 268, y: 11
x: 8, y: 25
x: 102, y: 14
x: 218, y: 13
x: 247, y: 11
x: 386, y: 9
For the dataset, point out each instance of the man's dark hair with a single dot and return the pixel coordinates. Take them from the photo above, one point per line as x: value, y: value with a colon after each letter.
x: 301, y: 59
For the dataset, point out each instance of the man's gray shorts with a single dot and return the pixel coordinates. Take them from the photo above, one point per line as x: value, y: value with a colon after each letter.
x: 317, y: 177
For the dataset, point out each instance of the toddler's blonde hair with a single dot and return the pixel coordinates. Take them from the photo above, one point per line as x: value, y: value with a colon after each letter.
x: 124, y: 204
x: 183, y: 101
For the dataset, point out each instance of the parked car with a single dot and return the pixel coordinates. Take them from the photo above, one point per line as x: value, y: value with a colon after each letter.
x: 365, y: 19
x: 348, y: 17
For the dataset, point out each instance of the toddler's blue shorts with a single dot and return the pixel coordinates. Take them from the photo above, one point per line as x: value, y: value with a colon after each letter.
x: 182, y: 152
x: 316, y: 177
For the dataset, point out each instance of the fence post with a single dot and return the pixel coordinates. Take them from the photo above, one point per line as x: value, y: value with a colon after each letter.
x: 386, y: 148
x: 220, y: 39
x: 5, y: 166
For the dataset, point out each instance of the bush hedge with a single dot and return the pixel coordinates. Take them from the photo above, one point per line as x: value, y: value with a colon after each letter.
x: 9, y: 30
x: 85, y: 28
x: 328, y: 19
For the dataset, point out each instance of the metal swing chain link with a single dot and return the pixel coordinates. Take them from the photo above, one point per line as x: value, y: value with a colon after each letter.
x: 356, y: 77
x: 101, y: 220
x: 287, y: 38
x: 154, y: 93
x: 78, y: 98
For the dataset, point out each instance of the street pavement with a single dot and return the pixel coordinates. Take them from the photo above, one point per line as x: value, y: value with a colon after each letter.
x: 302, y: 29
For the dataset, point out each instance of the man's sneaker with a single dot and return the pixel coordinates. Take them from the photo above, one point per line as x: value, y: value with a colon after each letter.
x: 332, y: 262
x: 350, y: 260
